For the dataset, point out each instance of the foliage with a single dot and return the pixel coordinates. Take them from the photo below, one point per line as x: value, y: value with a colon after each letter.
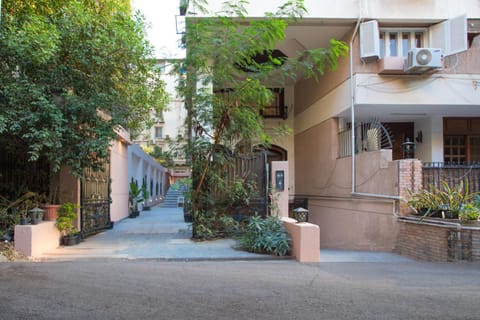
x: 468, y: 211
x: 72, y: 72
x: 230, y: 226
x: 445, y: 199
x: 211, y: 225
x: 67, y: 215
x: 12, y: 210
x: 7, y: 249
x: 266, y: 236
x: 221, y: 52
x: 145, y: 195
x: 134, y: 196
x: 165, y: 158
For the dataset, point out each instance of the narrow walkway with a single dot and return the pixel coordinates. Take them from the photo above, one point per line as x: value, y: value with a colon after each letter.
x: 162, y: 234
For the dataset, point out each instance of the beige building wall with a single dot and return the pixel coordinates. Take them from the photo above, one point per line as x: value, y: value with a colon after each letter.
x: 347, y: 222
x: 119, y: 180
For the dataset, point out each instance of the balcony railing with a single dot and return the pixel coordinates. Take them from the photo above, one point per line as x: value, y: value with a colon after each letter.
x: 452, y: 173
x: 369, y: 136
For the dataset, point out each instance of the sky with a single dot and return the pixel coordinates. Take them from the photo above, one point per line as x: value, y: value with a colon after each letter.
x: 160, y: 15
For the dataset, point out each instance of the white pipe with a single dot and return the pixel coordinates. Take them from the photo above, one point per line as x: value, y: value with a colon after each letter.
x: 374, y: 195
x: 352, y: 97
x: 352, y: 115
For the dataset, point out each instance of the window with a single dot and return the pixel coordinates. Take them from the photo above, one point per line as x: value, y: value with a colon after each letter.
x: 461, y: 141
x: 159, y: 132
x: 277, y: 108
x: 450, y: 36
x: 454, y: 149
x: 397, y: 42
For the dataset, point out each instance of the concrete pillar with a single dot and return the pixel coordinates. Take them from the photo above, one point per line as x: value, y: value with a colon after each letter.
x: 409, y: 177
x: 280, y: 182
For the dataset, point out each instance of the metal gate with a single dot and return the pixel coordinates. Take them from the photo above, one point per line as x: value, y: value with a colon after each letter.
x: 95, y: 201
x: 253, y: 168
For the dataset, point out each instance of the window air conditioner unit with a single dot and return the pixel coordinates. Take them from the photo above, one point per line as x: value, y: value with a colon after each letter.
x: 423, y: 59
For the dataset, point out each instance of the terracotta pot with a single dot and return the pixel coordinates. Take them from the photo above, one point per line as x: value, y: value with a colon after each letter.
x: 50, y: 213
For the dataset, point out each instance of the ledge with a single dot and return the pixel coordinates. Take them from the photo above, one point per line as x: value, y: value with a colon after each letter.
x: 34, y: 240
x: 305, y: 240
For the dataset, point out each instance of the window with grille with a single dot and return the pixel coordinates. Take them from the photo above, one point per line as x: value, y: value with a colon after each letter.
x: 461, y: 140
x: 454, y: 149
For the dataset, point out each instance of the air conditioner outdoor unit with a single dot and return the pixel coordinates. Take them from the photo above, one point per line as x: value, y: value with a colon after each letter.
x: 423, y: 59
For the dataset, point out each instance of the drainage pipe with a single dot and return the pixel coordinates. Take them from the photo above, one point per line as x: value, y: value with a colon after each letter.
x: 352, y: 95
x: 352, y: 115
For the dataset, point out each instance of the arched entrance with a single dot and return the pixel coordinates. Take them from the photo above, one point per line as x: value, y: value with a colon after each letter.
x: 276, y: 153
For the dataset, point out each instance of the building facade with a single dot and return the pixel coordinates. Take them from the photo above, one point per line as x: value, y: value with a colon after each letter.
x: 409, y: 89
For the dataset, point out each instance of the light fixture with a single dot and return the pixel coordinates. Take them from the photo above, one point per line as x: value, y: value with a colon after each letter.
x: 419, y: 137
x: 408, y: 149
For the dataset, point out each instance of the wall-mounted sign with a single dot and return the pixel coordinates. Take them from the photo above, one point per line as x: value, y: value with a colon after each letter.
x: 280, y: 180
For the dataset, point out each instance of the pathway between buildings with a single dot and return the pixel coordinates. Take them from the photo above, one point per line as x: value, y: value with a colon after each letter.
x: 162, y: 234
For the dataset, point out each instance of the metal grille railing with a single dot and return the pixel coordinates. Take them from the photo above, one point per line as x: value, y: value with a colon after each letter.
x: 452, y: 173
x: 369, y: 136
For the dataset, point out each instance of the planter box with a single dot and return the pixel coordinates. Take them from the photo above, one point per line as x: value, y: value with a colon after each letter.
x: 439, y: 240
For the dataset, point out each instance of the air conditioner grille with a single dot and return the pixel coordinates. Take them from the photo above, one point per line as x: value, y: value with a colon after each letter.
x: 424, y: 57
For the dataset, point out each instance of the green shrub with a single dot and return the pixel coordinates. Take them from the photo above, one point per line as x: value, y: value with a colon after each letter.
x: 445, y: 199
x: 468, y: 212
x: 67, y: 215
x: 266, y: 236
x: 211, y: 225
x: 229, y: 226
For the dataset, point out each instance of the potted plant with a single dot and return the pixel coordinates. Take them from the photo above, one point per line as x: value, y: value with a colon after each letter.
x: 22, y: 207
x: 51, y: 203
x: 145, y: 196
x: 67, y: 214
x: 134, y: 197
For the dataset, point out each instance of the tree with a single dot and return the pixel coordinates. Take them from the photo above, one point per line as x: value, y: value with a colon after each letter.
x: 70, y: 73
x: 226, y: 87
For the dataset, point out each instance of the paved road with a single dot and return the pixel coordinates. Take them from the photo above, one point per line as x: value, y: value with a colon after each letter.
x: 284, y: 289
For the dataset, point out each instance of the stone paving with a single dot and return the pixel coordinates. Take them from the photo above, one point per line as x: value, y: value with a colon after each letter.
x: 162, y: 234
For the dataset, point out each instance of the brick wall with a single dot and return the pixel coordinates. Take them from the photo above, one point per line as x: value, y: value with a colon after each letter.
x: 476, y: 245
x: 437, y: 243
x: 423, y: 242
x: 409, y: 177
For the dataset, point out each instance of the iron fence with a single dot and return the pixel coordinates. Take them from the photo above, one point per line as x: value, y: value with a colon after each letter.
x: 452, y: 173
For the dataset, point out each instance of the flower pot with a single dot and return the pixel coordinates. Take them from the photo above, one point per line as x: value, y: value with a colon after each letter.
x: 36, y: 215
x: 50, y: 213
x: 71, y: 239
x: 23, y: 221
x: 134, y: 214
